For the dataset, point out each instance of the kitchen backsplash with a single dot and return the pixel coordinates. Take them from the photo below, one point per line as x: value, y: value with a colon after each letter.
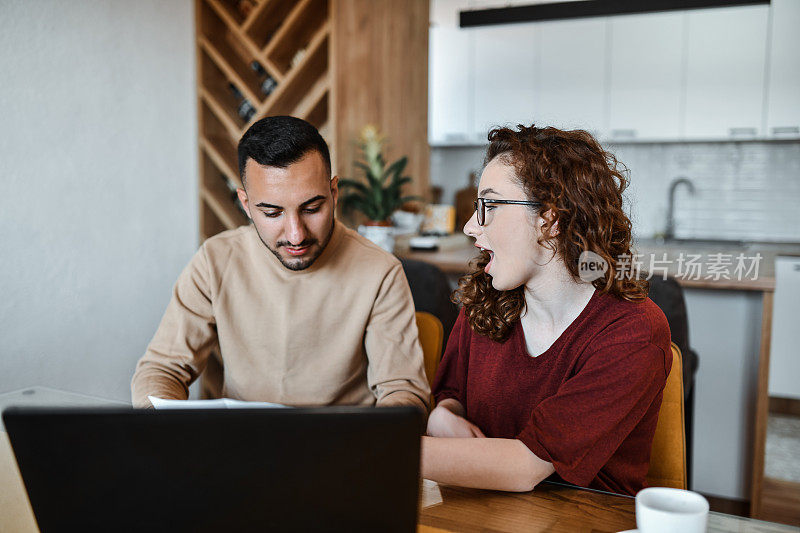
x: 743, y: 190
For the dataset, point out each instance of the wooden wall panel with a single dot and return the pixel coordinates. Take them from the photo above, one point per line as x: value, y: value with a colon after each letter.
x: 380, y: 65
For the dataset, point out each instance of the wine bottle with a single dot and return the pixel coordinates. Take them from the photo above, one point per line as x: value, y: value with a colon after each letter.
x: 245, y: 109
x: 268, y: 83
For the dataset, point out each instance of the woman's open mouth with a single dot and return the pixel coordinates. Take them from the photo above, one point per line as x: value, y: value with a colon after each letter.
x: 491, y: 259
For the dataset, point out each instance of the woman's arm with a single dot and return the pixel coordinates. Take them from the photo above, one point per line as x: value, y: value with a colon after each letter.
x: 496, y: 464
x: 447, y: 420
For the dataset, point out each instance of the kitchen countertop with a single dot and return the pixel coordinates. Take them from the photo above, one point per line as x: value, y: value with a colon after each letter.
x: 729, y: 265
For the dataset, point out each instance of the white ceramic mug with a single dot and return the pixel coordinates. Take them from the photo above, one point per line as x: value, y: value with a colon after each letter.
x: 665, y: 510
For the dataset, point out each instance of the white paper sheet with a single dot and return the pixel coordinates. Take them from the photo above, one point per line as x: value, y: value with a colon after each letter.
x: 222, y: 403
x: 430, y: 494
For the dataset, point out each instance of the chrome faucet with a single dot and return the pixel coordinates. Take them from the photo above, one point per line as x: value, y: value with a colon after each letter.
x: 669, y: 233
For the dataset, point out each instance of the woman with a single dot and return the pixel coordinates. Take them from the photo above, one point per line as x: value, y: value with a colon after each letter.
x: 544, y: 372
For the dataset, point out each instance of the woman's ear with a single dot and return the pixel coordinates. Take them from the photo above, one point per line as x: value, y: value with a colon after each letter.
x: 547, y: 217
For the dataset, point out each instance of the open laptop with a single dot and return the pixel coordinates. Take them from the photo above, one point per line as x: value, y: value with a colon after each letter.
x: 307, y: 469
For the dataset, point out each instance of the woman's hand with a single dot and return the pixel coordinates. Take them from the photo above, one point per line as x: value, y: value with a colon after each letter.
x: 443, y: 422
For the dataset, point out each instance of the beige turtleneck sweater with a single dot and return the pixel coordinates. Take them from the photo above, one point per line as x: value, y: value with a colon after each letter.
x: 341, y: 332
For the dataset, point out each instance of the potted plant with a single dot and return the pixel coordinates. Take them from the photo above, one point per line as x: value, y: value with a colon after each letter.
x: 380, y: 194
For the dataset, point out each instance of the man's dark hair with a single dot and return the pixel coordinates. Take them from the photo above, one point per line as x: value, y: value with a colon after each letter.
x: 280, y: 142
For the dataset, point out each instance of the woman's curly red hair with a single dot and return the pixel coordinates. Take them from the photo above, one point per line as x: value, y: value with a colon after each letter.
x: 581, y: 186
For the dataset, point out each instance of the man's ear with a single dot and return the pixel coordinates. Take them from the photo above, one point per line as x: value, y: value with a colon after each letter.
x: 335, y: 190
x: 243, y: 200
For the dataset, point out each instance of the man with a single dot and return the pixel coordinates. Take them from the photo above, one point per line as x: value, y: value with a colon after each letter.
x: 303, y: 310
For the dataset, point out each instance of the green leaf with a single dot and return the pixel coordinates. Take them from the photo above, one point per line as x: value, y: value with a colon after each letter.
x: 396, y: 184
x: 372, y: 180
x: 351, y: 202
x: 346, y: 184
x: 394, y: 188
x: 395, y: 169
x: 375, y: 198
x: 362, y: 166
x: 386, y: 206
x: 373, y: 212
x: 359, y: 204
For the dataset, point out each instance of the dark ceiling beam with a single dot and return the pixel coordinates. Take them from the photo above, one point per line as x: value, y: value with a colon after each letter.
x: 588, y: 8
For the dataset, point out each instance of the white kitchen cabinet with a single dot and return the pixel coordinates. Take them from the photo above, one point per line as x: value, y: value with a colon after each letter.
x: 646, y: 76
x: 725, y: 330
x: 570, y: 87
x: 783, y: 103
x: 504, y: 76
x: 450, y: 74
x: 784, y: 361
x: 449, y: 85
x: 689, y: 75
x: 726, y: 52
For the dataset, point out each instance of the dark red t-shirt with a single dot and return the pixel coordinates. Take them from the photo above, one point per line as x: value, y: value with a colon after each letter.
x: 589, y: 404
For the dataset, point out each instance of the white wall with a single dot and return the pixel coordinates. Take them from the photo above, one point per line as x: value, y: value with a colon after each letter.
x: 98, y: 187
x: 743, y: 190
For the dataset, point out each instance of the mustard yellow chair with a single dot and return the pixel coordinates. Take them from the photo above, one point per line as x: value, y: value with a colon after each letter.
x: 668, y: 454
x: 431, y: 337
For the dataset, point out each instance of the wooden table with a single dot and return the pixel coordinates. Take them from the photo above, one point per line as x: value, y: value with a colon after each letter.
x: 554, y: 508
x: 548, y: 508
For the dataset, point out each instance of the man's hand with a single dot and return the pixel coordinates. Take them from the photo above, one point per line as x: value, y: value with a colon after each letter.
x: 443, y: 422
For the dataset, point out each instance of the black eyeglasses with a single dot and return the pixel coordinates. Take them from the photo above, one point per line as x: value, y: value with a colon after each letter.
x: 480, y: 206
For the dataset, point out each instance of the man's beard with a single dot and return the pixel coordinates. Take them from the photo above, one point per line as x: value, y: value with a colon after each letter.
x: 300, y: 263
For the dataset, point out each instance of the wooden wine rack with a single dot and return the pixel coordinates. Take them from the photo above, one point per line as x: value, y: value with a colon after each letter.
x: 338, y: 64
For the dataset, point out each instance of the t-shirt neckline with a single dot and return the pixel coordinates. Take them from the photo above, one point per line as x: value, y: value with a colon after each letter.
x: 519, y: 334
